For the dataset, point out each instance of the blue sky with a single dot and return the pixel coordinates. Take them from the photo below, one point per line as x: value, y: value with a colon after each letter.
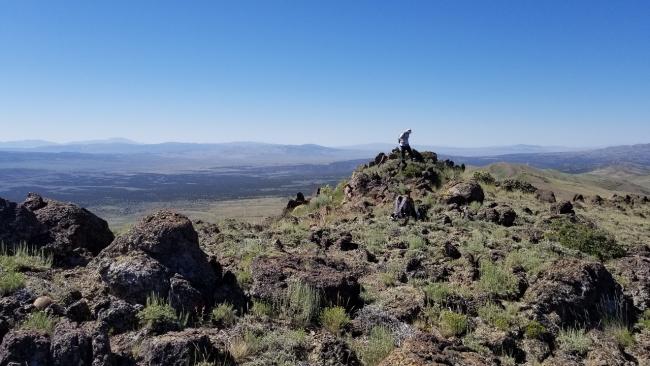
x: 459, y: 73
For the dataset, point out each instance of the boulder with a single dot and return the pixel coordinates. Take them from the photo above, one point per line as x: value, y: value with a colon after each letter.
x: 596, y: 200
x: 332, y: 351
x: 427, y: 349
x: 188, y: 347
x: 578, y: 198
x: 73, y: 235
x: 119, y: 315
x: 635, y: 272
x: 404, y: 302
x: 544, y: 195
x: 74, y: 344
x: 462, y: 193
x: 25, y: 347
x: 161, y: 255
x: 18, y: 224
x: 500, y: 214
x: 575, y: 291
x: 333, y: 279
x: 562, y: 208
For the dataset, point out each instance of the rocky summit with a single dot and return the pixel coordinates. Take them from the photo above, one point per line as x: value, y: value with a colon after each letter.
x: 423, y: 263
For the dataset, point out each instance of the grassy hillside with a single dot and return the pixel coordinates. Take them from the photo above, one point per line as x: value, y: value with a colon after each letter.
x: 604, y: 182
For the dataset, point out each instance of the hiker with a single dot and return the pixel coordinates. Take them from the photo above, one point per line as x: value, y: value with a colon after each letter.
x: 404, y: 144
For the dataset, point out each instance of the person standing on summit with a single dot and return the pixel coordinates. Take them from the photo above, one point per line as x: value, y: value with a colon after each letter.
x: 404, y: 144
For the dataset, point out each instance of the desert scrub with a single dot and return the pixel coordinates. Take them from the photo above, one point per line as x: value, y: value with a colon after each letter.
x: 586, y: 239
x: 532, y: 260
x: 644, y: 320
x: 300, y: 303
x: 452, y: 323
x: 619, y: 330
x: 380, y: 344
x: 534, y: 330
x: 224, y: 314
x: 11, y: 281
x: 158, y: 314
x: 261, y: 309
x: 39, y: 321
x: 334, y: 319
x: 483, y: 177
x: 498, y: 317
x: 441, y: 293
x: 416, y: 242
x: 574, y: 341
x: 497, y: 279
x: 24, y: 258
x: 245, y: 345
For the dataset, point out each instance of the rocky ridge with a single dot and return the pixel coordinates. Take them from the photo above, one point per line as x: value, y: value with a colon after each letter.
x: 485, y: 272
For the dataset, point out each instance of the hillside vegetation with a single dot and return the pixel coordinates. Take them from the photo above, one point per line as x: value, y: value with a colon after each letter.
x: 479, y: 267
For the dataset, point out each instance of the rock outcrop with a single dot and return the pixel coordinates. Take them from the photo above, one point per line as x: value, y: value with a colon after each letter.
x: 160, y: 255
x: 333, y: 279
x: 575, y: 291
x: 73, y: 235
x: 462, y: 193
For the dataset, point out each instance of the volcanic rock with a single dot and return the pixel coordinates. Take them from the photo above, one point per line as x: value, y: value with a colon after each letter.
x: 160, y: 255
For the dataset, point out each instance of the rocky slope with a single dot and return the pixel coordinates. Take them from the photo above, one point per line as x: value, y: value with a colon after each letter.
x: 472, y: 271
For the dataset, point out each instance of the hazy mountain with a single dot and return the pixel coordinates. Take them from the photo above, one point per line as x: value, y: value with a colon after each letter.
x: 573, y: 161
x: 24, y: 144
x: 469, y: 151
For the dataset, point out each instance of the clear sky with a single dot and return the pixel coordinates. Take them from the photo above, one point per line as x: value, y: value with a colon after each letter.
x: 459, y: 73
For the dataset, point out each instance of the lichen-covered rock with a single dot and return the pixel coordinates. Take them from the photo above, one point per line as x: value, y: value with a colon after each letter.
x: 575, y: 290
x: 161, y: 255
x: 544, y: 195
x: 500, y: 214
x: 180, y: 349
x: 72, y: 231
x: 333, y: 279
x: 18, y: 224
x: 635, y: 272
x: 462, y: 193
x: 427, y: 349
x: 25, y: 347
x: 562, y: 208
x: 333, y: 351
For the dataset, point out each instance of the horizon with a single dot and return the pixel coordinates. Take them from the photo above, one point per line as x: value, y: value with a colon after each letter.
x: 127, y: 141
x: 460, y: 74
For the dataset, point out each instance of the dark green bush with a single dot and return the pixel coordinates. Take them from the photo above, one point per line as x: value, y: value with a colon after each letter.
x: 586, y: 239
x: 483, y: 177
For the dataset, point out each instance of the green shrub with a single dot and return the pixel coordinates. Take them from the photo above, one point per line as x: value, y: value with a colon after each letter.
x: 534, y: 330
x: 438, y: 292
x: 588, y: 240
x: 301, y: 303
x: 416, y: 242
x: 261, y: 309
x: 644, y: 320
x: 246, y: 345
x: 23, y: 257
x: 39, y: 321
x: 498, y: 317
x: 334, y: 319
x: 413, y: 170
x: 574, y: 340
x: 158, y: 313
x: 621, y: 333
x: 224, y: 314
x: 11, y: 281
x: 452, y: 323
x: 497, y: 279
x: 483, y: 177
x: 379, y: 345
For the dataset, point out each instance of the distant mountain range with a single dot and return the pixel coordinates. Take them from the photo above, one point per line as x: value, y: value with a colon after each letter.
x: 125, y: 146
x: 630, y: 156
x: 119, y: 154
